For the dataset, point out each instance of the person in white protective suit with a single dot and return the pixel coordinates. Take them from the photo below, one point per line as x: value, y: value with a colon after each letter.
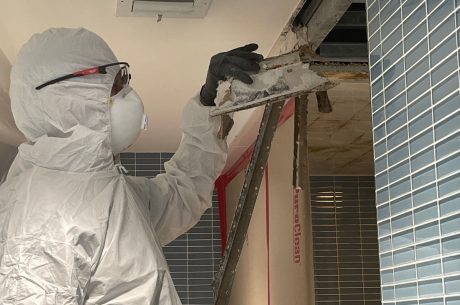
x: 73, y: 228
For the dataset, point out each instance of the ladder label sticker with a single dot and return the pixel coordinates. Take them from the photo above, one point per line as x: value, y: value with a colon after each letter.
x: 296, y: 228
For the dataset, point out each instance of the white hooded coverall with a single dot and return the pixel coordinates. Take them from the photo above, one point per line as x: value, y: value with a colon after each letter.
x: 72, y: 229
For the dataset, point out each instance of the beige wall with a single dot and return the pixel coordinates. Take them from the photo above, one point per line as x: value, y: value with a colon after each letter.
x: 290, y: 282
x: 250, y: 285
x: 9, y: 134
x: 10, y: 137
x: 7, y: 155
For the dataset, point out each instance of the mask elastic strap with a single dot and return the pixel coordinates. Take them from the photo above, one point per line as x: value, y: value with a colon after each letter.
x: 145, y: 122
x: 121, y: 169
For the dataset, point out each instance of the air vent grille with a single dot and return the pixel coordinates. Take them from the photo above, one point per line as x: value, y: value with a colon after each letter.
x: 163, y: 9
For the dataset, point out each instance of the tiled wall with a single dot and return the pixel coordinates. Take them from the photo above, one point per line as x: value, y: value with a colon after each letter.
x: 345, y: 240
x: 414, y: 62
x: 195, y: 256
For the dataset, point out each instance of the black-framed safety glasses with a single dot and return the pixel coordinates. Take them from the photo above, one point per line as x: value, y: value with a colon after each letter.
x: 121, y: 80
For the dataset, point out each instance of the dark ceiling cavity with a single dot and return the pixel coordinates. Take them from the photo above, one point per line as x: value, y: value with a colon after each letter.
x: 306, y: 12
x: 348, y: 39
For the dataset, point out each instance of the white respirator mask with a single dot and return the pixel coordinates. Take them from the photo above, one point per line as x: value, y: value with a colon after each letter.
x: 127, y: 119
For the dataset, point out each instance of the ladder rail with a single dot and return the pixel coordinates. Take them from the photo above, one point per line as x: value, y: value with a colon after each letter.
x: 226, y: 274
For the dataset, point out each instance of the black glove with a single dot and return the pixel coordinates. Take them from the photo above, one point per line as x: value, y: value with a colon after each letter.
x: 237, y: 63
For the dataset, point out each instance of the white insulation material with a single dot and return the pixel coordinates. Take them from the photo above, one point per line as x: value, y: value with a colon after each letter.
x: 283, y: 80
x: 279, y: 78
x: 278, y: 61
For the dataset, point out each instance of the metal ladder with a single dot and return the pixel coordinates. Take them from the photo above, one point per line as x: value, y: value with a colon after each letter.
x: 226, y: 274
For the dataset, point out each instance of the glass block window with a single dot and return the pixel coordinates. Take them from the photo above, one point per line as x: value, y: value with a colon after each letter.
x: 345, y: 241
x: 414, y: 64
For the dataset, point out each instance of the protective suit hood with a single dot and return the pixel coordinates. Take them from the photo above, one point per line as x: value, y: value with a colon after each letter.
x: 67, y: 124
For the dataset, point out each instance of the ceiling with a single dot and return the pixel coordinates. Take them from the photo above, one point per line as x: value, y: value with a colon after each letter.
x: 168, y: 59
x: 340, y: 142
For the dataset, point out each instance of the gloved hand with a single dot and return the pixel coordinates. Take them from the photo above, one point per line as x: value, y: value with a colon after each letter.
x: 236, y: 63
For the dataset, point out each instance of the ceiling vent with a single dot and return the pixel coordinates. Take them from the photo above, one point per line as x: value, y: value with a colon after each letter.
x: 163, y: 9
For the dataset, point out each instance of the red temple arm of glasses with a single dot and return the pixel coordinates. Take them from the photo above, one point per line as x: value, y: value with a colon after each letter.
x: 95, y: 70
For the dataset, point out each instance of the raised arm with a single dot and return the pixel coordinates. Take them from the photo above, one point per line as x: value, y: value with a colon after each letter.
x: 178, y: 198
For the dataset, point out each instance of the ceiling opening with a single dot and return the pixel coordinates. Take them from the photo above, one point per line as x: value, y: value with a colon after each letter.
x: 348, y: 38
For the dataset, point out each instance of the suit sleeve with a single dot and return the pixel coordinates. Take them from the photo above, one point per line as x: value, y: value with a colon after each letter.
x: 179, y: 197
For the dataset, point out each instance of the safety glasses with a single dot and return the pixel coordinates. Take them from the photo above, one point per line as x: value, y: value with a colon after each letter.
x: 121, y: 80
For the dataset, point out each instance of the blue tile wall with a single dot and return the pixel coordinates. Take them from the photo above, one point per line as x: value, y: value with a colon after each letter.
x: 345, y: 240
x: 195, y: 256
x: 416, y: 118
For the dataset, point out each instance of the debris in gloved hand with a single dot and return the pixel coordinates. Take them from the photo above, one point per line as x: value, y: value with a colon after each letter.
x: 279, y: 78
x: 237, y: 63
x: 223, y: 96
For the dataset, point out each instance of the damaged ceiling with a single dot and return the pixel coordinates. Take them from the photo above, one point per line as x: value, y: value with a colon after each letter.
x: 340, y: 142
